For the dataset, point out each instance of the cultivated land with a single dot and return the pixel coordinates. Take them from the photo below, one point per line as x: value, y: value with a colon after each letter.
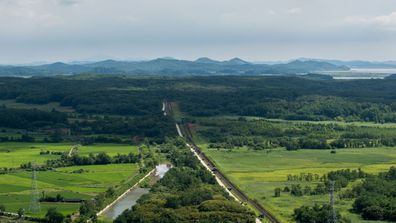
x: 259, y: 172
x: 13, y: 154
x: 223, y: 111
x: 76, y: 182
x: 341, y: 123
x: 43, y: 107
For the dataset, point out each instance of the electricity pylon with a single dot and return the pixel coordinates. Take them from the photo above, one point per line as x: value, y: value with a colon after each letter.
x: 332, y: 214
x: 35, y: 196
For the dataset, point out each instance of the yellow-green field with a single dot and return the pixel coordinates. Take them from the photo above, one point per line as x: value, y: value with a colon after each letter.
x: 15, y: 154
x: 15, y: 189
x: 341, y: 123
x: 70, y: 182
x: 258, y: 173
x: 43, y: 107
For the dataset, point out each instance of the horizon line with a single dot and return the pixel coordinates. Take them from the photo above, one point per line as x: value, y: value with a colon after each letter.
x: 274, y: 61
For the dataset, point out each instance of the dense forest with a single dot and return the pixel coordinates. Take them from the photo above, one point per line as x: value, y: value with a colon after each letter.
x: 271, y: 97
x: 28, y: 119
x: 107, y: 106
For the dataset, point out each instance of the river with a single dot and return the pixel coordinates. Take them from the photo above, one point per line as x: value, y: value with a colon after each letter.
x: 130, y: 198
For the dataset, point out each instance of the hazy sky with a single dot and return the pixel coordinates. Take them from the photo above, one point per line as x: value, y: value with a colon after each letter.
x: 256, y: 30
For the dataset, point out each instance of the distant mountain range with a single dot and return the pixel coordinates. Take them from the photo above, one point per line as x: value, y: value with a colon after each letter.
x: 391, y: 77
x: 358, y: 63
x: 169, y: 66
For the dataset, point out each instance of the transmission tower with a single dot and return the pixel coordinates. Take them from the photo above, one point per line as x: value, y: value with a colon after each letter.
x: 35, y: 202
x: 332, y: 214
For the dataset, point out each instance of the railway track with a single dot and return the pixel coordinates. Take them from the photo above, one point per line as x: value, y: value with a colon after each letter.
x: 185, y: 132
x: 229, y: 185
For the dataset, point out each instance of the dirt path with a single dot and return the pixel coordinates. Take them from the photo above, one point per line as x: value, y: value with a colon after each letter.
x: 75, y: 147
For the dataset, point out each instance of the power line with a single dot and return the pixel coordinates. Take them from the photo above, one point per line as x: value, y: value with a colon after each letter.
x: 332, y: 214
x: 35, y: 196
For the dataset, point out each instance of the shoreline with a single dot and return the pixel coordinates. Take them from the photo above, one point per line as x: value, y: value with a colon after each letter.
x: 101, y: 212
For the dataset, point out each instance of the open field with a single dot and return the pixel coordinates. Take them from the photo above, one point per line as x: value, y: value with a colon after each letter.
x: 77, y: 182
x: 341, y: 123
x: 231, y: 142
x: 15, y: 154
x: 259, y: 172
x: 15, y: 188
x: 45, y: 107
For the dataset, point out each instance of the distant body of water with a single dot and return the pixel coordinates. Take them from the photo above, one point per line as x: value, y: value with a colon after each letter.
x: 374, y: 71
x: 357, y: 77
x: 355, y: 74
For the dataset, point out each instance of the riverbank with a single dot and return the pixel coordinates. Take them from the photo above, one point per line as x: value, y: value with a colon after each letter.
x: 127, y: 199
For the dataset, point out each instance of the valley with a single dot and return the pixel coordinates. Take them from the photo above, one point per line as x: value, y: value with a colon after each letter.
x: 272, y: 142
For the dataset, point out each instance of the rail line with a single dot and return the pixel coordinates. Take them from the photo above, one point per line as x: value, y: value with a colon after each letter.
x: 185, y: 132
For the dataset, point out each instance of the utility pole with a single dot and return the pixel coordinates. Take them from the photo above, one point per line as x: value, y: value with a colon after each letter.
x: 35, y: 196
x: 332, y: 214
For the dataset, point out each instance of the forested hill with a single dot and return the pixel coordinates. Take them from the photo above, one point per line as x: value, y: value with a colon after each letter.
x: 173, y: 67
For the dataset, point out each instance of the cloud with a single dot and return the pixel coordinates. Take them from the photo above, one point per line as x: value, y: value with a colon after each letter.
x: 387, y: 21
x: 294, y: 11
x: 68, y: 2
x: 272, y: 12
x: 48, y: 29
x: 23, y: 16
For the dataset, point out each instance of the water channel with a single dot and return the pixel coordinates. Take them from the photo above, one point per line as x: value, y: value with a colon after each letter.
x: 130, y: 198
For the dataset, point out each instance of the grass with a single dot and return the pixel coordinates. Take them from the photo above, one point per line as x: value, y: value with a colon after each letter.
x: 14, y: 154
x: 258, y: 173
x: 341, y: 123
x: 111, y: 149
x: 15, y: 188
x: 44, y: 107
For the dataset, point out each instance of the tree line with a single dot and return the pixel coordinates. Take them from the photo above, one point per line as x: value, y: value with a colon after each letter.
x: 259, y: 134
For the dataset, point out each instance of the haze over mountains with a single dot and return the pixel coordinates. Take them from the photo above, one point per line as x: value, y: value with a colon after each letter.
x: 170, y: 66
x: 358, y: 63
x: 201, y: 66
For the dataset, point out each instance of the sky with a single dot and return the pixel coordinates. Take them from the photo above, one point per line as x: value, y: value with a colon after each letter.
x: 34, y: 31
